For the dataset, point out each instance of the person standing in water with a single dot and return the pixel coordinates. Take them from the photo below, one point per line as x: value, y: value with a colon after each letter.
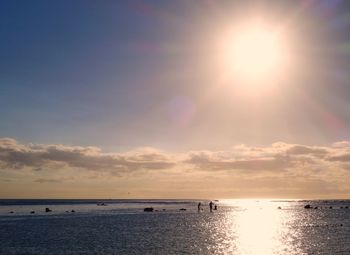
x: 199, y: 206
x: 211, y: 206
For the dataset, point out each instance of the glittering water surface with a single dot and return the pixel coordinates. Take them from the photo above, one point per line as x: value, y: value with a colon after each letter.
x: 121, y: 227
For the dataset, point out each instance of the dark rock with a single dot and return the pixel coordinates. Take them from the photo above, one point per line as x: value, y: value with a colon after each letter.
x: 11, y: 212
x: 47, y: 209
x: 346, y: 207
x: 148, y: 209
x: 330, y: 207
x: 279, y: 208
x: 72, y: 211
x: 307, y: 207
x: 316, y: 207
x: 183, y: 209
x: 32, y: 212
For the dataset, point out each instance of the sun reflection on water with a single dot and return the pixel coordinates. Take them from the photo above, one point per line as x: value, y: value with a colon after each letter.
x: 259, y: 227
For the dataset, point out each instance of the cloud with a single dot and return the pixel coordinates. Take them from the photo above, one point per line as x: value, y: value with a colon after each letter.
x: 14, y: 155
x: 275, y: 158
x: 278, y: 158
x: 306, y: 150
x: 340, y: 158
x: 290, y: 170
x: 213, y: 161
x: 341, y: 144
x: 43, y: 180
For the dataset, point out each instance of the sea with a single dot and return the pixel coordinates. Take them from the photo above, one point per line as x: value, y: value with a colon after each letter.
x: 238, y: 226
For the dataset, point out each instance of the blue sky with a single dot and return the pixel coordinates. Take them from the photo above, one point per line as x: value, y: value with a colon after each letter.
x: 82, y: 72
x: 149, y: 82
x: 68, y: 68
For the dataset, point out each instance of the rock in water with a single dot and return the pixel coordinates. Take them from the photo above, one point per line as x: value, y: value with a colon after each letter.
x: 148, y: 209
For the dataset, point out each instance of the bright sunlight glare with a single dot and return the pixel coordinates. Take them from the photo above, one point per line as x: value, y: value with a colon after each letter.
x: 256, y: 54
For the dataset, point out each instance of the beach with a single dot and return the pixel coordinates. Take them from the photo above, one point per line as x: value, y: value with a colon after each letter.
x: 121, y: 227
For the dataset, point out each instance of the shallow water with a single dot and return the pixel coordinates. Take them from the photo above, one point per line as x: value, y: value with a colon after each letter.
x: 121, y: 227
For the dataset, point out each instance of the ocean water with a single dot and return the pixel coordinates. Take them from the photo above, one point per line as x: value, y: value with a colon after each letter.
x: 122, y: 227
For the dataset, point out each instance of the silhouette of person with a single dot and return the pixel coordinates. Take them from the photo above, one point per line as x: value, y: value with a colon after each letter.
x: 215, y: 207
x: 199, y: 206
x: 211, y: 206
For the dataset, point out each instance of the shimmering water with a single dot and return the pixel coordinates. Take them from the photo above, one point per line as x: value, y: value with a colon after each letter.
x: 121, y: 227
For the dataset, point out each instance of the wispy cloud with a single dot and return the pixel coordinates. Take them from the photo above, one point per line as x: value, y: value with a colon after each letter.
x: 43, y: 180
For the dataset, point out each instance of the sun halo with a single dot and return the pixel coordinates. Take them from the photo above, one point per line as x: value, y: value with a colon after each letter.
x: 256, y: 54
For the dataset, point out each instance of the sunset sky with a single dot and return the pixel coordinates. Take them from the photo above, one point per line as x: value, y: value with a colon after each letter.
x: 175, y: 99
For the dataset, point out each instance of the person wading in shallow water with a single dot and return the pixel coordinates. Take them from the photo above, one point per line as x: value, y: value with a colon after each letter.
x: 211, y: 206
x: 199, y: 206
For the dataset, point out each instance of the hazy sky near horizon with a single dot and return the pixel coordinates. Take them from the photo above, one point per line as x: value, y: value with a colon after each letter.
x: 136, y: 99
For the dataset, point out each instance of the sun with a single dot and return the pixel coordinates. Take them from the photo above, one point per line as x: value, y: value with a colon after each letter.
x: 256, y: 53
